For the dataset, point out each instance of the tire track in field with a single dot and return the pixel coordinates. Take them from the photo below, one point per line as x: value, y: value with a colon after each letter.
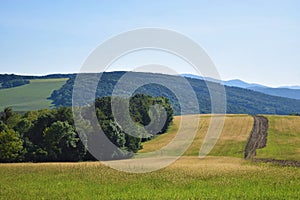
x: 258, y: 137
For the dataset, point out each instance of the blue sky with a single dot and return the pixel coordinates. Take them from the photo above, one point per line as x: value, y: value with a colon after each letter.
x: 256, y: 41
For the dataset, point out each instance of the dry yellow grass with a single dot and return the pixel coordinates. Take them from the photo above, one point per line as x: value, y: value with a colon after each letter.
x: 218, y: 164
x: 232, y: 140
x: 162, y: 140
x: 213, y: 166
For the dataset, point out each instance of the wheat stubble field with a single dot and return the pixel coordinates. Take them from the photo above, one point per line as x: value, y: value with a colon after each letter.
x: 224, y: 174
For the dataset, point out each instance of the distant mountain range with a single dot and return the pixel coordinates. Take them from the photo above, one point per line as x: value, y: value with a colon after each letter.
x: 292, y: 92
x: 291, y: 87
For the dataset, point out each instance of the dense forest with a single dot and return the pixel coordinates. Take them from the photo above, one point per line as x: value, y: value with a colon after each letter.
x: 13, y: 80
x: 8, y: 77
x: 14, y: 83
x: 50, y: 135
x: 239, y: 100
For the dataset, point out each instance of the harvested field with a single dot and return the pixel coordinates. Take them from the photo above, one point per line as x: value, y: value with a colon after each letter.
x: 232, y: 140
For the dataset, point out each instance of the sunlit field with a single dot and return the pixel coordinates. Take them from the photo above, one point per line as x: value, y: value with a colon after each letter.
x: 231, y: 142
x: 188, y: 178
x: 283, y: 138
x: 32, y: 96
x: 224, y: 174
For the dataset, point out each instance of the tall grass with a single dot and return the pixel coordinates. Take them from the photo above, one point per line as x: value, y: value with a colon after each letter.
x: 188, y: 178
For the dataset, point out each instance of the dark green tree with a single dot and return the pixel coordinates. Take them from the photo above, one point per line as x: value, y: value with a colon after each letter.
x: 11, y: 148
x: 62, y: 142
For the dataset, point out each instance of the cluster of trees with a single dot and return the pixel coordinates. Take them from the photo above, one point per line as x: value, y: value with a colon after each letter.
x: 9, y: 77
x: 36, y: 136
x: 50, y: 135
x: 14, y: 83
x: 295, y: 114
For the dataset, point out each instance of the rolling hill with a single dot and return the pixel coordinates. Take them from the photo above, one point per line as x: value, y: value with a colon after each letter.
x: 32, y: 96
x: 283, y: 141
x: 231, y: 143
x: 282, y: 92
x: 292, y: 92
x: 239, y: 100
x: 283, y: 138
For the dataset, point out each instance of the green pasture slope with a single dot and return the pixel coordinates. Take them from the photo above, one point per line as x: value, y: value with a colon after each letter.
x: 32, y: 96
x: 224, y: 174
x: 283, y: 139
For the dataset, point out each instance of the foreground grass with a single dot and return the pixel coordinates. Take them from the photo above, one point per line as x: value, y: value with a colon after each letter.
x: 32, y: 96
x: 188, y: 178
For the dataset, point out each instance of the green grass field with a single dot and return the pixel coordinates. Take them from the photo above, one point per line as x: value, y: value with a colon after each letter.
x: 221, y: 175
x: 188, y: 178
x: 283, y: 139
x: 32, y: 96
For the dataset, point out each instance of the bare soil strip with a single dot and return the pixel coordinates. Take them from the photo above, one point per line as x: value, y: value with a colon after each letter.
x: 258, y: 137
x: 258, y: 140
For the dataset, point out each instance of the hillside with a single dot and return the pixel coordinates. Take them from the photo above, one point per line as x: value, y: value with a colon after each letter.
x: 9, y: 77
x: 239, y: 100
x: 282, y: 142
x: 32, y: 96
x: 292, y: 92
x: 282, y: 92
x: 232, y: 140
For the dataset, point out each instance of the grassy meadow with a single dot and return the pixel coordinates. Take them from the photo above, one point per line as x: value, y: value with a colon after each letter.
x: 32, y: 96
x: 283, y: 138
x: 188, y: 178
x: 221, y: 175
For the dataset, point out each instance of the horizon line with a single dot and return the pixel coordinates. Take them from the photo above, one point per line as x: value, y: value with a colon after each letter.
x: 182, y: 74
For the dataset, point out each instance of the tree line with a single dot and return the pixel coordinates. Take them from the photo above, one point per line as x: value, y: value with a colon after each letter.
x: 14, y: 83
x: 50, y: 135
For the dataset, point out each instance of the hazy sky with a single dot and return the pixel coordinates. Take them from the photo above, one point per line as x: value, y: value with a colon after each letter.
x: 256, y: 41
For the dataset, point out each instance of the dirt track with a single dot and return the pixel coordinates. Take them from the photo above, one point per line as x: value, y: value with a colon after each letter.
x: 258, y: 140
x: 258, y: 137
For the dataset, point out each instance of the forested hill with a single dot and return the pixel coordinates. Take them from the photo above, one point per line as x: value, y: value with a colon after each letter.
x: 10, y: 77
x: 239, y: 100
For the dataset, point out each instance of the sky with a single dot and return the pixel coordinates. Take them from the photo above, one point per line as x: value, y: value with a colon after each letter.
x: 257, y: 41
